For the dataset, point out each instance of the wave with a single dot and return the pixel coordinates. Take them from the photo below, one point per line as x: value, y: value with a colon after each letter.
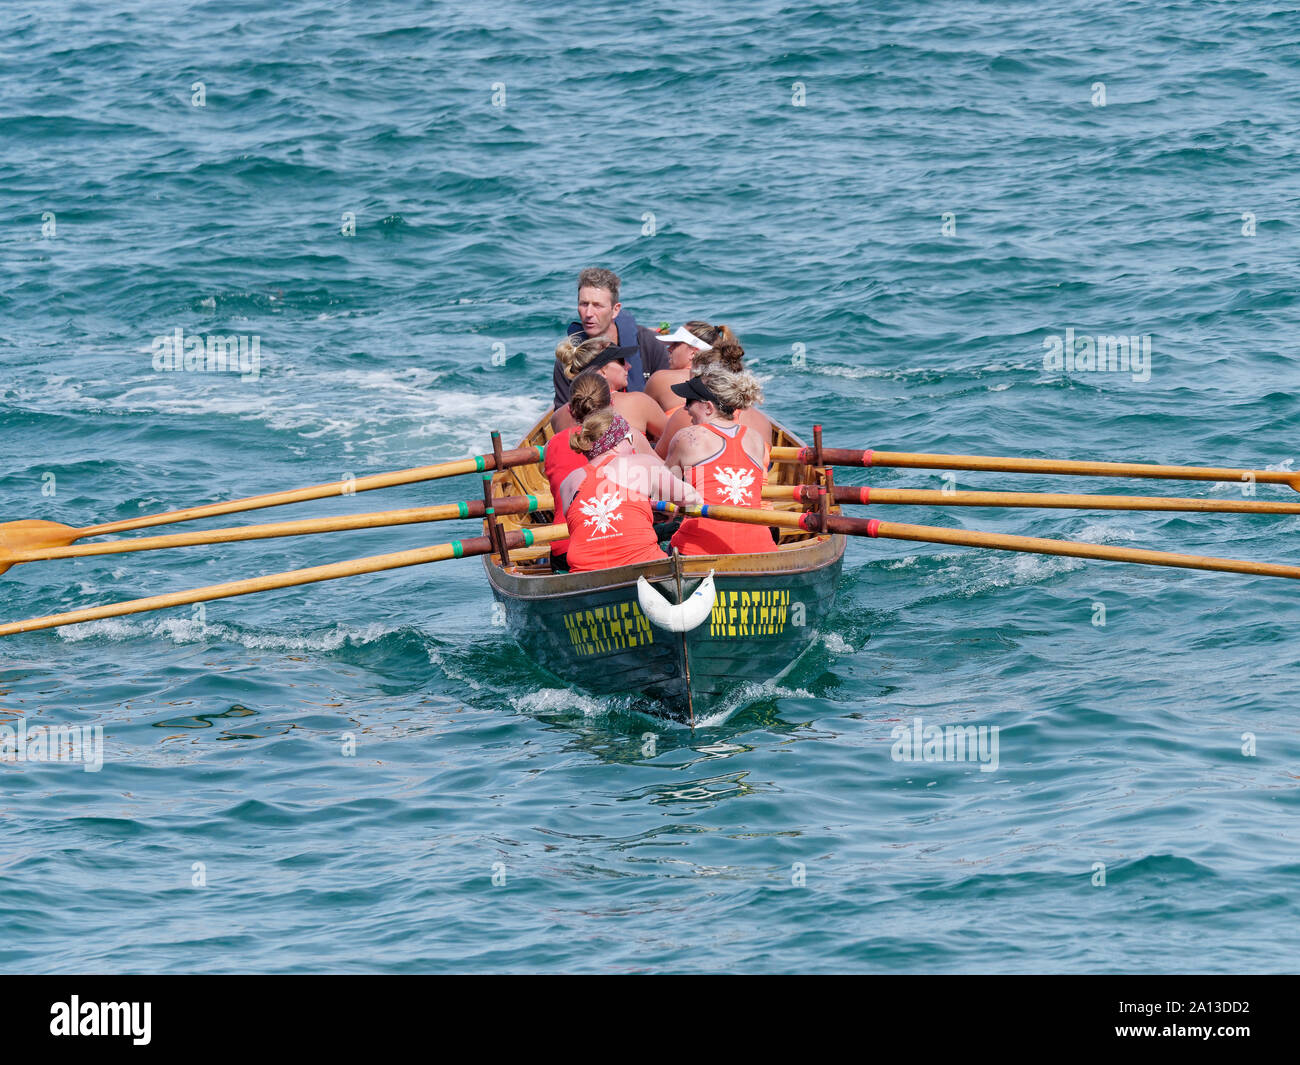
x: 351, y: 405
x: 192, y: 630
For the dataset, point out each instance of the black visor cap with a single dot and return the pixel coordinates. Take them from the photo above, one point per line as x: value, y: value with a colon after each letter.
x: 610, y: 354
x: 693, y: 388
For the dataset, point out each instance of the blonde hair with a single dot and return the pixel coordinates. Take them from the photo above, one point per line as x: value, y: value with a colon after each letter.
x: 576, y: 357
x: 735, y: 390
x: 593, y: 428
x: 590, y: 392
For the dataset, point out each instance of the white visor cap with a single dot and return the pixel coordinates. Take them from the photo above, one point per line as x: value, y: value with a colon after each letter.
x: 685, y: 336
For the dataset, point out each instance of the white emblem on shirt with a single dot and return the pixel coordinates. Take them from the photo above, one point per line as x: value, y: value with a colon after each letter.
x: 600, y: 511
x: 735, y: 484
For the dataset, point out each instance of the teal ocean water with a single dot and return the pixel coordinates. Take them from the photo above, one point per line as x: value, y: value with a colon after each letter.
x: 896, y: 207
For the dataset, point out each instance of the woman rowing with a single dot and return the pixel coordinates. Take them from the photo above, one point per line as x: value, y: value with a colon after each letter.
x: 682, y: 346
x: 724, y: 459
x: 608, y: 507
x: 588, y: 393
x: 731, y: 356
x: 599, y: 354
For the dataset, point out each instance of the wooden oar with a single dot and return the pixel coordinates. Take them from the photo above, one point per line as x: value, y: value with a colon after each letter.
x: 305, y: 527
x: 34, y: 535
x: 911, y: 460
x: 480, y: 545
x: 811, y: 521
x: 805, y: 493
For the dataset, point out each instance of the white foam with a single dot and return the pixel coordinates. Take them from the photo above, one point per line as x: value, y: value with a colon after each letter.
x: 1235, y: 486
x: 191, y: 630
x: 436, y: 658
x: 836, y: 644
x: 384, y: 405
x: 975, y: 572
x: 556, y: 700
x: 855, y: 373
x: 749, y: 693
x: 894, y: 373
x: 1102, y: 532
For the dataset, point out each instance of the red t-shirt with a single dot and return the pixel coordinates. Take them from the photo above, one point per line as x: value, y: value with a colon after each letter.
x: 732, y: 479
x: 609, y: 525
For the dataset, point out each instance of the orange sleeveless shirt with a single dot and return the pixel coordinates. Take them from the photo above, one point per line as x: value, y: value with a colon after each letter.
x: 732, y: 479
x: 609, y: 525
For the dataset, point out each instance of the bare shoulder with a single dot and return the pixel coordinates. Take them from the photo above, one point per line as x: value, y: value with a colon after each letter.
x: 645, y: 402
x: 758, y: 422
x: 756, y: 445
x: 692, y: 435
x: 690, y: 441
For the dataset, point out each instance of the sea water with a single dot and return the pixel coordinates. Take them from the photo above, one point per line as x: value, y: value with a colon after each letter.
x: 902, y: 210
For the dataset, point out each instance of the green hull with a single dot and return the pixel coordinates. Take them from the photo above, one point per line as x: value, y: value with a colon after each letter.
x: 589, y: 631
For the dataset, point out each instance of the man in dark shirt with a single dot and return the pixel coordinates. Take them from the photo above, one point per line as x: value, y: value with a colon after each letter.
x: 601, y: 314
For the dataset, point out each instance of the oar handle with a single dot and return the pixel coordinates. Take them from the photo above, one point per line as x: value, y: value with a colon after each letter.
x: 480, y: 545
x: 521, y: 456
x: 1001, y: 464
x: 809, y: 521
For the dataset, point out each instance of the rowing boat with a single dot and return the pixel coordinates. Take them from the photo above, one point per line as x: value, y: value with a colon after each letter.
x: 762, y: 610
x: 746, y: 619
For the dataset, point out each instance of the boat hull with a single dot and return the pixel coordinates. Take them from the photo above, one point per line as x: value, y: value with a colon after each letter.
x: 592, y: 634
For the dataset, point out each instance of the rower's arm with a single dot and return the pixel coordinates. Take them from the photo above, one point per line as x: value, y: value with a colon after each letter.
x: 655, y: 389
x: 682, y: 419
x: 648, y: 476
x: 569, y: 488
x: 664, y: 485
x: 654, y: 418
x: 757, y: 448
x: 681, y: 452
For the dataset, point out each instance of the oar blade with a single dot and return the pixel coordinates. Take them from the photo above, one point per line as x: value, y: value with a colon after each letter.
x: 32, y: 535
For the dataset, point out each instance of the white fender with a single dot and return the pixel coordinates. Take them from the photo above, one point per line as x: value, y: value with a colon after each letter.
x: 676, y: 617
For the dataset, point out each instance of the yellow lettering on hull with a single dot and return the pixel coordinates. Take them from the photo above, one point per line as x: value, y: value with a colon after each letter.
x: 737, y: 612
x: 621, y: 626
x: 615, y: 627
